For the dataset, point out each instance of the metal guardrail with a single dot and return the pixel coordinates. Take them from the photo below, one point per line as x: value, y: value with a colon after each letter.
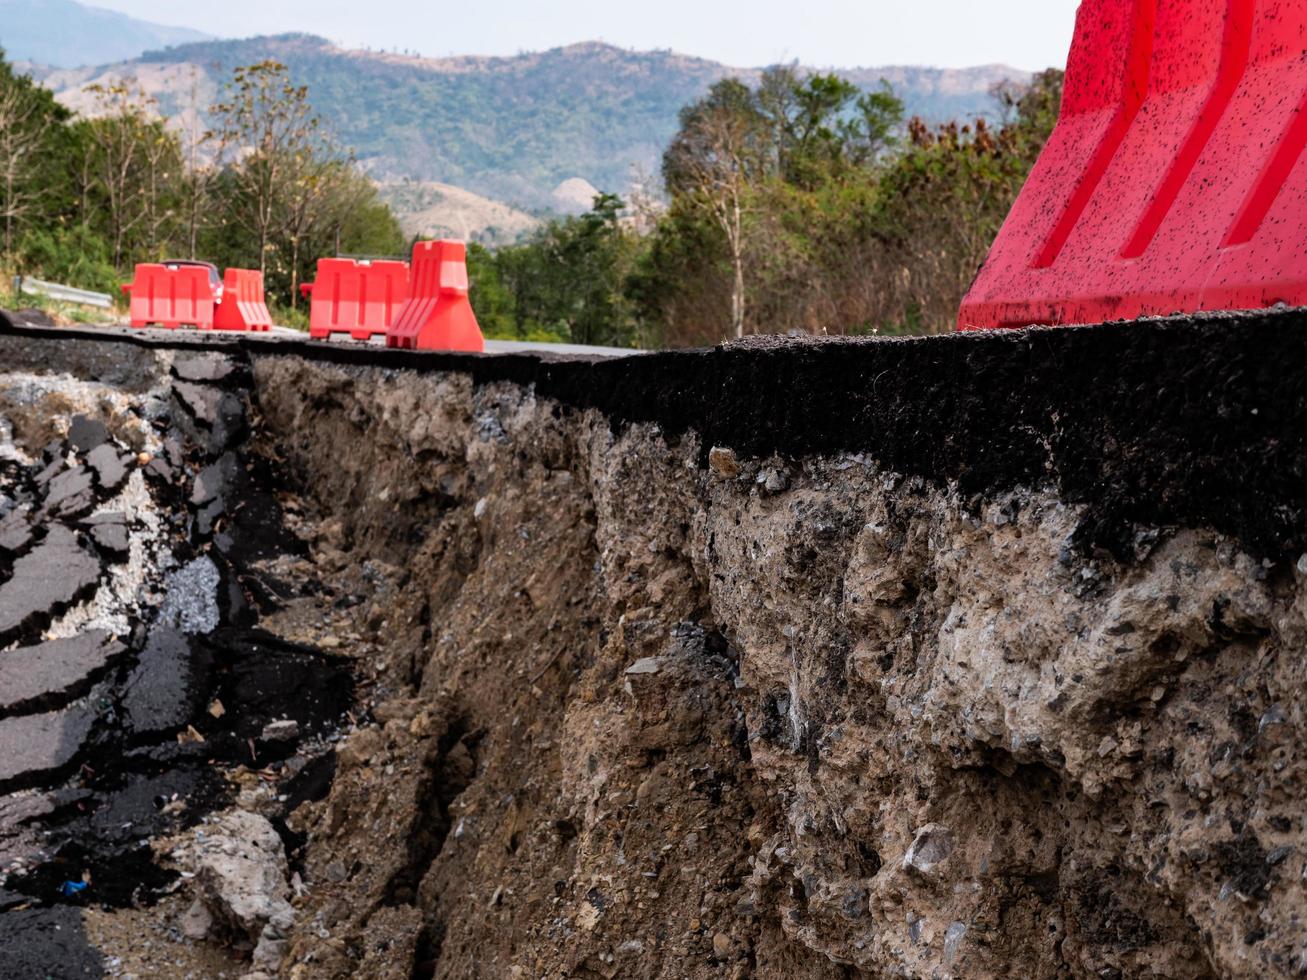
x: 64, y: 294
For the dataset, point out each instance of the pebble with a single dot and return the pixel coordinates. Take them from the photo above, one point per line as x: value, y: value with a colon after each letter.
x: 287, y: 730
x: 931, y: 846
x: 197, y: 921
x: 723, y: 462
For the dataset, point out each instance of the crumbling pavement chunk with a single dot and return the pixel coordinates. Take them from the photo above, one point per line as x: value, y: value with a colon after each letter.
x: 204, y: 367
x: 213, y: 480
x: 15, y: 532
x: 87, y: 434
x: 35, y: 744
x: 162, y: 693
x: 110, y: 534
x: 52, y: 669
x: 70, y: 493
x: 46, y: 581
x: 36, y: 940
x: 110, y: 470
x: 200, y: 401
x: 49, y: 473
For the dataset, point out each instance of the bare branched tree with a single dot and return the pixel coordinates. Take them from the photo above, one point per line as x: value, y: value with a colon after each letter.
x: 133, y: 166
x: 713, y: 160
x: 267, y: 134
x: 197, y: 183
x: 22, y: 129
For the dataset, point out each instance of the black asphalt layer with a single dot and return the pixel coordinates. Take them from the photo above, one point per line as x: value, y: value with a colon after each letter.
x: 46, y: 944
x: 1185, y: 422
x: 46, y: 581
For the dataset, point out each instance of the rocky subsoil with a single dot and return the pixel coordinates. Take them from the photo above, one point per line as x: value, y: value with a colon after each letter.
x: 973, y: 676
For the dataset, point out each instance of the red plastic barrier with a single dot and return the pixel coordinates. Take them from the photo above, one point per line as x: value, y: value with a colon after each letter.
x: 438, y: 314
x: 1175, y: 180
x: 243, y: 306
x: 356, y: 297
x: 170, y: 296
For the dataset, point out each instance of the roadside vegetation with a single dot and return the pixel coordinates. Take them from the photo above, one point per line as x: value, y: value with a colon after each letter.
x: 800, y: 204
x: 262, y: 186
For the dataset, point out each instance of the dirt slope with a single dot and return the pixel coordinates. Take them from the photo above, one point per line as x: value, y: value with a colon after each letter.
x: 930, y: 659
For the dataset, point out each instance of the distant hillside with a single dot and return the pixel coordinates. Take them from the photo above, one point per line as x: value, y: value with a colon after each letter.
x: 512, y: 129
x: 432, y: 210
x: 66, y: 34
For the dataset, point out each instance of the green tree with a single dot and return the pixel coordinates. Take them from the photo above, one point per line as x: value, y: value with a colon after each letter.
x: 821, y: 129
x: 492, y: 301
x: 135, y: 169
x: 875, y: 130
x: 567, y: 283
x: 33, y: 153
x: 824, y: 218
x: 77, y: 255
x: 722, y: 149
x: 287, y: 194
x: 969, y: 173
x: 268, y: 135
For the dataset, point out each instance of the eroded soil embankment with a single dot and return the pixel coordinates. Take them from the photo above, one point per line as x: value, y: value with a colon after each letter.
x: 663, y: 706
x: 968, y: 657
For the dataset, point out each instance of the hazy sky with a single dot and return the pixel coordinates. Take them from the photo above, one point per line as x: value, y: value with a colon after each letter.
x: 1029, y: 34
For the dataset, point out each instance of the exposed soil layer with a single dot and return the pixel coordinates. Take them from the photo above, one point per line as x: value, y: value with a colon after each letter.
x: 968, y: 657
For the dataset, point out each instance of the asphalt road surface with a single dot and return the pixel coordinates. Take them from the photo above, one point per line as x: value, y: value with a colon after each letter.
x: 504, y: 346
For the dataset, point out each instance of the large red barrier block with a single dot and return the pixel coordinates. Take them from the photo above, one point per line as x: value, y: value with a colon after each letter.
x: 171, y: 295
x: 356, y: 296
x: 243, y: 305
x: 438, y: 314
x: 1174, y: 181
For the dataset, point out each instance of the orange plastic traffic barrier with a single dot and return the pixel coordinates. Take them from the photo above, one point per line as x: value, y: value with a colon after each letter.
x: 438, y: 314
x: 170, y: 296
x: 356, y: 296
x: 243, y: 305
x: 1174, y: 181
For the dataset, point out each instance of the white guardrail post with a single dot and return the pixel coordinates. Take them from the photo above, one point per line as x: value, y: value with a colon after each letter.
x: 64, y: 294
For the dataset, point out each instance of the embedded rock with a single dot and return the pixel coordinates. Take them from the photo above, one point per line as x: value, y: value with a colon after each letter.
x: 203, y: 367
x: 241, y: 875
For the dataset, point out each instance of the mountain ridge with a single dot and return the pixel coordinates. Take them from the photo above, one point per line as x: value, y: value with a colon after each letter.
x: 67, y: 34
x: 510, y: 128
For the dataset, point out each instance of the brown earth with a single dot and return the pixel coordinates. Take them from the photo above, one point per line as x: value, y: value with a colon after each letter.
x: 641, y: 717
x: 633, y: 704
